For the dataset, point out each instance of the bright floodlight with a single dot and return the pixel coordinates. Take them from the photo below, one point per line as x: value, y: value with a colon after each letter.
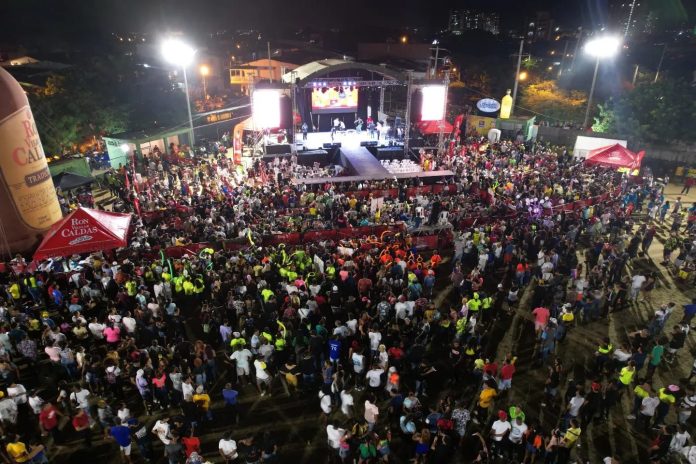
x: 433, y: 108
x: 266, y: 108
x: 177, y: 52
x: 125, y: 147
x: 603, y: 47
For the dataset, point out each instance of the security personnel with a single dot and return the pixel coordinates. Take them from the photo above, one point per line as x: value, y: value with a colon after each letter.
x: 131, y: 288
x: 188, y: 287
x: 198, y: 286
x: 627, y: 374
x: 266, y: 294
x: 237, y: 341
x: 474, y: 304
x: 603, y: 354
x: 178, y: 284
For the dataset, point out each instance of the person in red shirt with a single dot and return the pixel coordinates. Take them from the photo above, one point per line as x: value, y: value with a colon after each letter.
x: 191, y: 444
x: 506, y: 373
x: 48, y: 421
x: 435, y: 259
x: 80, y: 422
x: 541, y: 318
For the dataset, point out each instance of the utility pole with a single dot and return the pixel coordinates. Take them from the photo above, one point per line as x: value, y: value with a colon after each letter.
x: 589, y: 98
x: 441, y: 135
x: 270, y: 67
x: 437, y: 54
x: 659, y: 65
x: 635, y: 75
x: 517, y: 77
x: 407, y: 116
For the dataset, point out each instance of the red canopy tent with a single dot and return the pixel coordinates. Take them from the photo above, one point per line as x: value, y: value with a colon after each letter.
x: 85, y: 230
x: 433, y: 127
x: 615, y: 156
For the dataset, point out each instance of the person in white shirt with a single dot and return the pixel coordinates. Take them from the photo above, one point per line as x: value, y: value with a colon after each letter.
x: 334, y: 435
x: 18, y: 393
x: 325, y: 405
x: 263, y: 378
x: 96, y: 329
x: 371, y: 412
x: 679, y: 439
x: 575, y: 404
x: 35, y: 403
x: 123, y: 413
x: 228, y: 448
x: 129, y: 323
x: 374, y: 378
x: 242, y: 356
x: 161, y: 429
x: 187, y: 389
x: 80, y: 398
x: 636, y: 284
x: 517, y: 431
x: 347, y: 402
x: 358, y: 361
x: 375, y: 337
x: 8, y: 409
x: 499, y: 430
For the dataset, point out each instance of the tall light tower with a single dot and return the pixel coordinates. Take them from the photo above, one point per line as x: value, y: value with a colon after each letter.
x: 178, y: 53
x: 600, y: 48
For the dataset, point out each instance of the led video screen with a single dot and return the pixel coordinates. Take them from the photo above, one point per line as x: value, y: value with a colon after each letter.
x: 335, y: 99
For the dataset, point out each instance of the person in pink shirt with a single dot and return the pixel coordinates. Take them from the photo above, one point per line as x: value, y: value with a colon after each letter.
x: 541, y: 318
x: 112, y: 334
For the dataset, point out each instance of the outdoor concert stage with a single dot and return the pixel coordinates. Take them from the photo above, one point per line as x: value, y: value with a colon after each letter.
x: 348, y: 138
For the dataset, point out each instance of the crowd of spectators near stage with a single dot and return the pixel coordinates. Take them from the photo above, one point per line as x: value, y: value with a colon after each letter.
x: 396, y: 344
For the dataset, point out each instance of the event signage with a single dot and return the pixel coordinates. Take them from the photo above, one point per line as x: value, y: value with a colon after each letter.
x: 79, y: 231
x: 488, y: 105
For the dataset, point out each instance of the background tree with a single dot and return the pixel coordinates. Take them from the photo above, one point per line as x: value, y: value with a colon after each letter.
x: 553, y: 103
x: 660, y: 112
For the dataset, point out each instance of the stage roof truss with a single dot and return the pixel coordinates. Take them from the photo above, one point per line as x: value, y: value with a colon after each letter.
x: 329, y: 83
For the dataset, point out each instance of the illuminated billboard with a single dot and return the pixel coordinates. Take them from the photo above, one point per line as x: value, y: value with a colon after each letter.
x: 266, y: 108
x: 433, y: 108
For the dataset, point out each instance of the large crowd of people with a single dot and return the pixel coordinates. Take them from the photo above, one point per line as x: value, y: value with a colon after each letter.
x: 396, y: 346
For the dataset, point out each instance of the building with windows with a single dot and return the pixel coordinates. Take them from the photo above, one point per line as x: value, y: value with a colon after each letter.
x: 468, y: 20
x: 243, y: 76
x: 540, y: 27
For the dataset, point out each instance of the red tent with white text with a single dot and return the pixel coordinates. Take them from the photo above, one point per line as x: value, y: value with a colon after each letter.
x: 615, y: 156
x: 433, y: 127
x: 83, y: 231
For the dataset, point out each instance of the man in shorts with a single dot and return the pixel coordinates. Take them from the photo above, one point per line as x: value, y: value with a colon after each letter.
x: 242, y: 356
x: 121, y: 434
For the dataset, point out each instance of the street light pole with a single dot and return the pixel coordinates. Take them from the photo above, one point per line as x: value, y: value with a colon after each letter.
x: 589, y: 98
x: 188, y: 108
x: 517, y: 77
x: 659, y: 65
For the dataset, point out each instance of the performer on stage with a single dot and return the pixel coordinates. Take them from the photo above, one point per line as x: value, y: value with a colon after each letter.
x: 358, y: 125
x: 334, y: 128
x: 371, y: 128
x: 305, y: 129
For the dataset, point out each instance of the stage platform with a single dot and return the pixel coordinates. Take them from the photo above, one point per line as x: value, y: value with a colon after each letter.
x: 360, y: 162
x: 432, y: 175
x: 349, y: 138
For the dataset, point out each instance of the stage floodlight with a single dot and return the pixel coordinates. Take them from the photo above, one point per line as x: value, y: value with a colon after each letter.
x: 266, y: 108
x: 433, y: 107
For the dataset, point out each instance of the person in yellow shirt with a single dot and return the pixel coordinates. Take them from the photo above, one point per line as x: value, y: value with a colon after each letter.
x: 486, y: 397
x: 19, y: 452
x: 202, y: 400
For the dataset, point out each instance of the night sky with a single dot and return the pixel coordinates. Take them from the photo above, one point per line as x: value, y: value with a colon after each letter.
x: 75, y: 18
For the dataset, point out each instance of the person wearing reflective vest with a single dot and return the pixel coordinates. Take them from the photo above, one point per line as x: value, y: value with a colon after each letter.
x: 603, y: 354
x: 266, y: 294
x: 131, y: 288
x: 627, y: 374
x: 199, y: 286
x: 178, y: 284
x: 33, y: 288
x: 474, y: 304
x: 667, y: 398
x: 188, y: 287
